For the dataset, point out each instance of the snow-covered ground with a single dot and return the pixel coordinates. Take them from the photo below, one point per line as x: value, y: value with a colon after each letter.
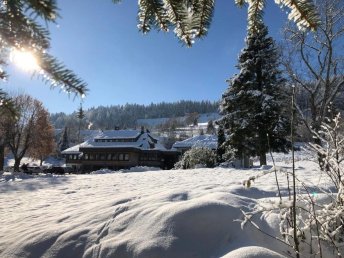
x: 50, y: 161
x: 176, y: 213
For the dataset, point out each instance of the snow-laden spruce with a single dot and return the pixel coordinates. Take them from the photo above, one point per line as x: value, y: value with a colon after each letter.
x: 254, y: 105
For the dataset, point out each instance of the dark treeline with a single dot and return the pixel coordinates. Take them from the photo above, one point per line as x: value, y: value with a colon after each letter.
x: 125, y: 116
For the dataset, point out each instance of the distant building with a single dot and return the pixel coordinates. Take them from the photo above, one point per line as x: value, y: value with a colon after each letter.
x: 206, y: 140
x: 116, y: 149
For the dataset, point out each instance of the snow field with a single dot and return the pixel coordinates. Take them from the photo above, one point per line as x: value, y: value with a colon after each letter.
x: 177, y: 213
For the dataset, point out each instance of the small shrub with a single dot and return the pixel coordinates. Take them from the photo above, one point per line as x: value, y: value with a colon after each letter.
x: 197, y: 157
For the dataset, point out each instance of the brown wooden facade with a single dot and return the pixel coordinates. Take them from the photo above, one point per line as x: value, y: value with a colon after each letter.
x: 120, y: 158
x: 120, y: 149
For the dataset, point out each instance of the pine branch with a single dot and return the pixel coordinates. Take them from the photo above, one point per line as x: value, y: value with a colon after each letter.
x: 303, y: 13
x: 56, y: 74
x: 46, y: 9
x: 240, y: 3
x: 6, y: 104
x: 178, y: 15
x: 255, y: 14
x: 202, y: 16
x: 192, y: 19
x: 21, y: 32
x: 152, y: 13
x: 144, y: 16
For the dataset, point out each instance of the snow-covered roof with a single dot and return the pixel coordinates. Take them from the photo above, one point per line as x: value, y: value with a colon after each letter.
x: 206, y: 140
x: 118, y: 134
x: 73, y: 150
x: 88, y: 134
x: 125, y: 139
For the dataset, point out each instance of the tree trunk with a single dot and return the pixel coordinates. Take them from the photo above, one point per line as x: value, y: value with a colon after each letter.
x: 262, y: 158
x: 263, y: 146
x: 16, y: 164
x: 2, y: 157
x: 41, y: 161
x: 320, y: 155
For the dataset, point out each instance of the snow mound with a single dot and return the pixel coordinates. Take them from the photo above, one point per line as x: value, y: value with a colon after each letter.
x: 48, y: 162
x: 19, y: 176
x: 253, y: 252
x: 103, y: 171
x: 176, y: 213
x: 169, y: 225
x: 140, y: 169
x: 10, y: 176
x: 179, y: 228
x: 133, y: 169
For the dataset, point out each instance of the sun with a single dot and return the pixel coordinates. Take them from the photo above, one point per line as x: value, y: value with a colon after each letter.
x: 24, y: 60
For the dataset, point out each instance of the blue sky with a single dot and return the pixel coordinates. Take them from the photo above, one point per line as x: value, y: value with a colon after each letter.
x: 100, y: 42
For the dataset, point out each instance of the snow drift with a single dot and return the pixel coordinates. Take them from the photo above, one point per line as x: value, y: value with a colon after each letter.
x: 190, y: 213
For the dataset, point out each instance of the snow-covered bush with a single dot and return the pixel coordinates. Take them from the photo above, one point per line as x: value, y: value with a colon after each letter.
x: 331, y: 150
x: 319, y: 214
x: 330, y: 216
x: 197, y: 157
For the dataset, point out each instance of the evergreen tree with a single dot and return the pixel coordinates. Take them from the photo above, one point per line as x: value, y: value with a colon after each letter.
x: 108, y: 118
x: 7, y: 108
x: 210, y: 127
x: 64, y: 142
x: 80, y: 115
x: 221, y: 139
x: 253, y: 107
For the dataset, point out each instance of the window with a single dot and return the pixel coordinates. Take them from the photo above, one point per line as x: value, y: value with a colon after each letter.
x: 86, y: 156
x: 143, y: 157
x: 102, y: 156
x: 91, y: 156
x: 153, y: 157
x: 108, y: 156
x: 126, y: 157
x: 114, y: 156
x: 120, y: 156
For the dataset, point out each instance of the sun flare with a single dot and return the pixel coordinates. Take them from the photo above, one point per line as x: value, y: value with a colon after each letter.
x: 24, y: 60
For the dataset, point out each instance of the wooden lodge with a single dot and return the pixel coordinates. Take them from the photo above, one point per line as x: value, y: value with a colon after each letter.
x: 120, y: 149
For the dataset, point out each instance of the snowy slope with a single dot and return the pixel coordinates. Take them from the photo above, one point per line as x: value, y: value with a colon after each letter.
x: 153, y: 122
x: 190, y: 213
x: 206, y: 140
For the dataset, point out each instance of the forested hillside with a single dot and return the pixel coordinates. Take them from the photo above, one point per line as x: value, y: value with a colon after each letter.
x: 125, y: 116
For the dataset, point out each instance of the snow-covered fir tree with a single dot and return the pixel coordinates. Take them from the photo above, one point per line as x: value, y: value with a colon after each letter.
x: 64, y: 141
x: 80, y: 114
x: 221, y: 138
x: 210, y: 127
x: 254, y: 105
